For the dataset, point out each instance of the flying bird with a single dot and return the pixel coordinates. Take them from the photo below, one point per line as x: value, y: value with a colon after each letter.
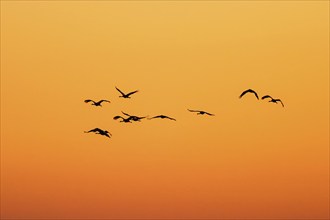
x: 133, y: 117
x: 251, y: 91
x: 126, y: 120
x: 163, y: 117
x: 96, y: 103
x: 100, y: 131
x: 272, y: 100
x: 123, y: 95
x: 201, y: 112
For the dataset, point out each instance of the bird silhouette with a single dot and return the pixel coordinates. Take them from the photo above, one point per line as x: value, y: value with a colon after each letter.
x: 201, y: 112
x: 163, y: 117
x: 123, y: 95
x: 133, y: 117
x: 96, y: 103
x: 125, y: 120
x: 272, y: 100
x: 100, y: 131
x: 251, y: 91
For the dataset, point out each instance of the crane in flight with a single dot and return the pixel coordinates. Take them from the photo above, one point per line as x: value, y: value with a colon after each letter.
x: 163, y: 117
x: 201, y: 112
x: 100, y: 131
x: 96, y: 103
x: 123, y: 95
x: 249, y: 91
x: 272, y: 99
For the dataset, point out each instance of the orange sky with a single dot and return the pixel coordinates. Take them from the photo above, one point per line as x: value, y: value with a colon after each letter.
x: 254, y: 159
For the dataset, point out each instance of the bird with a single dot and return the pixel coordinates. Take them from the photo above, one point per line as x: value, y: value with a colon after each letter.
x: 123, y: 95
x: 201, y: 112
x: 133, y: 117
x: 272, y: 100
x: 96, y: 103
x: 126, y: 120
x: 249, y: 90
x: 163, y: 117
x: 100, y: 131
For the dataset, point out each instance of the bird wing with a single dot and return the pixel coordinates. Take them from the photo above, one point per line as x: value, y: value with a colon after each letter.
x: 107, y: 134
x: 279, y: 100
x: 209, y: 114
x: 158, y: 116
x: 98, y: 130
x: 128, y: 94
x: 164, y: 116
x: 95, y: 130
x: 249, y: 90
x: 266, y: 96
x: 103, y: 100
x: 193, y: 110
x: 88, y: 100
x: 170, y: 118
x: 137, y: 118
x: 256, y: 94
x: 125, y: 113
x: 243, y: 93
x: 120, y: 91
x: 117, y: 117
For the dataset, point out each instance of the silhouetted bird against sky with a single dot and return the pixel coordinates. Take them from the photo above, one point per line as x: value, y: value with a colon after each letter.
x: 251, y: 91
x: 126, y: 120
x: 201, y: 112
x: 96, y: 103
x: 133, y: 117
x: 123, y: 95
x: 100, y: 131
x: 163, y: 117
x: 272, y: 100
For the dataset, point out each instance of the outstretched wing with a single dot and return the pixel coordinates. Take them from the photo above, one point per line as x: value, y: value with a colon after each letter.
x: 243, y: 93
x: 125, y: 113
x: 158, y: 116
x: 95, y: 130
x: 88, y: 100
x: 279, y: 100
x: 128, y: 94
x: 266, y: 96
x: 170, y: 118
x: 193, y: 110
x: 209, y: 114
x: 251, y: 91
x: 120, y: 91
x: 103, y: 100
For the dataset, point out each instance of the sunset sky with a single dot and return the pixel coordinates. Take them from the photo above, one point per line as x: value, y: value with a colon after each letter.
x: 253, y: 159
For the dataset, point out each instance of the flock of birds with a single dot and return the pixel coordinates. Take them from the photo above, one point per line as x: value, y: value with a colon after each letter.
x: 264, y: 97
x: 129, y: 118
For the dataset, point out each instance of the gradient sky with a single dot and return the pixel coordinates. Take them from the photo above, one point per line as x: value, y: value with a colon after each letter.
x: 254, y: 159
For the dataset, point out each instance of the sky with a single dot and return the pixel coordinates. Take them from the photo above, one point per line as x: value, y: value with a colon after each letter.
x: 252, y: 160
